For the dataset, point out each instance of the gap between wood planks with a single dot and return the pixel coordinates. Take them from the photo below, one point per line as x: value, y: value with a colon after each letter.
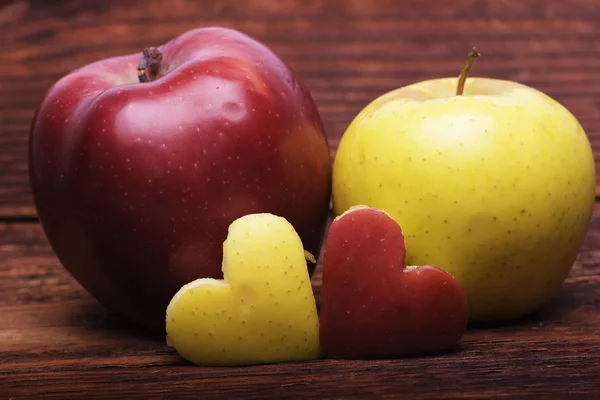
x: 27, y: 214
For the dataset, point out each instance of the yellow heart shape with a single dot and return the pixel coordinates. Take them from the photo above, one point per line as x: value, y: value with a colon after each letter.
x: 263, y: 311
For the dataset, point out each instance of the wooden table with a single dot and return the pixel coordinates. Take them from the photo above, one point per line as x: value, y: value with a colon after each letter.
x: 56, y: 342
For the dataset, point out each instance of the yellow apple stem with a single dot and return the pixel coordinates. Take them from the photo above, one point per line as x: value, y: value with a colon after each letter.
x: 149, y: 67
x: 465, y: 71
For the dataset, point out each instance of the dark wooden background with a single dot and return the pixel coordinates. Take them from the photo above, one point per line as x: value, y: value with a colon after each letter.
x: 56, y: 342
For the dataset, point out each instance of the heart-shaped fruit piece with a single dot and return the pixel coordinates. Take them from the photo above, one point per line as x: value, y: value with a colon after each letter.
x: 372, y: 306
x: 262, y: 311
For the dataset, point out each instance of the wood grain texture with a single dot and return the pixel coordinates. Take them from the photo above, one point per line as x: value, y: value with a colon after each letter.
x: 58, y: 343
x: 348, y: 52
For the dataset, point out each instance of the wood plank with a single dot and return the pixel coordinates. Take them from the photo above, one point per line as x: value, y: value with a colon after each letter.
x: 59, y: 343
x: 346, y: 51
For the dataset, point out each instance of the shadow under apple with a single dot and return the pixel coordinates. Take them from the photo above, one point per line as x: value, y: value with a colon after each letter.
x: 563, y: 307
x: 94, y: 315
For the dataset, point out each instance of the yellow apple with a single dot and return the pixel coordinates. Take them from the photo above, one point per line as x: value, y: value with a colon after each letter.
x: 262, y: 311
x: 495, y: 185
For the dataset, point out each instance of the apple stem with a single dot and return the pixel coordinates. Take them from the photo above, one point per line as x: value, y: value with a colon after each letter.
x: 465, y: 71
x: 149, y: 67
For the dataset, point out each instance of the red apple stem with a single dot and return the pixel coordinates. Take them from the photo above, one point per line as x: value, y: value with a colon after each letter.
x: 462, y: 78
x: 149, y: 67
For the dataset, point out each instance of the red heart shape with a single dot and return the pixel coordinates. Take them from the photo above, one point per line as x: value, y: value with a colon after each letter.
x: 372, y: 306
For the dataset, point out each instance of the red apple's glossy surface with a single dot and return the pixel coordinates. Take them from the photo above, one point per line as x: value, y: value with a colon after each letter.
x: 374, y: 307
x: 136, y: 183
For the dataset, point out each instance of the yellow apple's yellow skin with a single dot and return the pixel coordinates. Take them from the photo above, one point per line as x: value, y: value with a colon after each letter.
x: 263, y: 311
x: 495, y: 186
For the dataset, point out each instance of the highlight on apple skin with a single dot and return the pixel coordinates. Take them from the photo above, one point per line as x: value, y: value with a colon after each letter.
x: 139, y: 163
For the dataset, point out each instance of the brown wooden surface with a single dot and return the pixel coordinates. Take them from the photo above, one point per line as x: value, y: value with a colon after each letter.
x: 56, y: 342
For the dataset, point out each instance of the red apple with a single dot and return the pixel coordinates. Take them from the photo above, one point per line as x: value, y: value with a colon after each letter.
x: 136, y: 176
x: 372, y: 305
